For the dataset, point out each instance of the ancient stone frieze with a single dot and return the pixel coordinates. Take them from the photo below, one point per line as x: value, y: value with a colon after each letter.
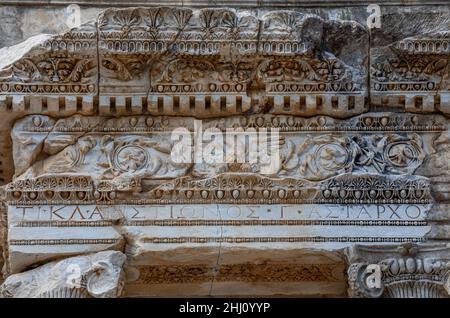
x: 226, y: 188
x: 134, y: 156
x: 203, y: 62
x: 212, y: 62
x: 252, y: 189
x: 225, y: 151
x: 410, y: 64
x: 63, y: 64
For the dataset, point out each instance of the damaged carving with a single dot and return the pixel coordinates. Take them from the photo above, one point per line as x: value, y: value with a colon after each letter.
x: 98, y: 275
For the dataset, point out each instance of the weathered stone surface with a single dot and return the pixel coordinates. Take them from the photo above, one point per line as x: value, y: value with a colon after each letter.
x: 96, y: 275
x: 229, y: 151
x: 206, y: 63
x: 213, y: 62
x: 292, y: 272
x: 410, y: 57
x: 47, y: 67
x: 148, y: 147
x: 408, y: 271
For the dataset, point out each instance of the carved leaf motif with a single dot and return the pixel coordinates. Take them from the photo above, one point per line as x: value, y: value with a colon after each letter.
x: 235, y: 24
x: 46, y: 65
x: 24, y: 71
x: 410, y: 67
x: 181, y: 17
x: 230, y: 21
x: 154, y: 22
x: 77, y: 72
x: 119, y: 69
x: 301, y: 70
x: 187, y: 71
x: 209, y: 22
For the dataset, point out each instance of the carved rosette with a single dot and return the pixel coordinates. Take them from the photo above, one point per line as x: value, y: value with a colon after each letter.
x: 409, y: 271
x: 99, y: 275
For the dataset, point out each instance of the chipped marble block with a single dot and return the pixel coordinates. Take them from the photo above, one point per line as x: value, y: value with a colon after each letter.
x: 410, y: 61
x: 97, y: 275
x: 203, y: 62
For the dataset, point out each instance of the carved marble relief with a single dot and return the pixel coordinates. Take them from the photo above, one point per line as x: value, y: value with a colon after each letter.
x: 117, y: 175
x: 65, y: 65
x: 218, y: 62
x: 203, y: 63
x: 92, y: 276
x: 118, y: 151
x: 410, y: 59
x: 409, y: 271
x: 137, y: 134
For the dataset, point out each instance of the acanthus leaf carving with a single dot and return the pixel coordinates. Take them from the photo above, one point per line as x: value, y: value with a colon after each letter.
x: 406, y: 271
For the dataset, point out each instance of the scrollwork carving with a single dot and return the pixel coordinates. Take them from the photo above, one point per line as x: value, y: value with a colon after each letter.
x: 187, y: 54
x: 411, y: 68
x: 320, y: 157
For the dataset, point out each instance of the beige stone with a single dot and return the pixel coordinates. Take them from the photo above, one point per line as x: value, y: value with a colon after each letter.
x: 97, y: 275
x: 227, y: 152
